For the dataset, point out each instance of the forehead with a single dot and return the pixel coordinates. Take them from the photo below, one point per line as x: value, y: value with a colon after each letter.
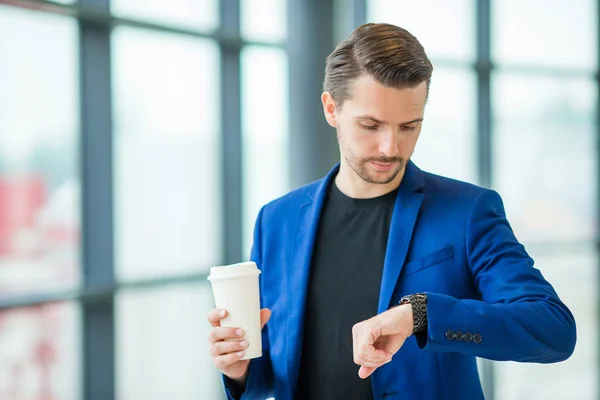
x: 367, y: 96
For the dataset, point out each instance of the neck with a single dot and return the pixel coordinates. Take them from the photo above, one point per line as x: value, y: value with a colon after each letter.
x: 352, y: 185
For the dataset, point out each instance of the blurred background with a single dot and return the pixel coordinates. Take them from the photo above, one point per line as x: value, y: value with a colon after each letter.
x: 138, y: 140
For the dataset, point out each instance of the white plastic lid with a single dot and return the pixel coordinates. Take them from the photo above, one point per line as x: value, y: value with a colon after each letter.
x: 239, y: 270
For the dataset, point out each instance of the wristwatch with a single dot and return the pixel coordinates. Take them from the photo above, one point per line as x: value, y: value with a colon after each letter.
x: 418, y: 302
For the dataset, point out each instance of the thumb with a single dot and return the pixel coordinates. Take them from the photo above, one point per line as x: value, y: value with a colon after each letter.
x: 265, y: 315
x: 365, y: 372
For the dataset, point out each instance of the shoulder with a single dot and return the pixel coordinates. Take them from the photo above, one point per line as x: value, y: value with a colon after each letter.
x: 456, y: 193
x: 438, y: 185
x: 293, y: 200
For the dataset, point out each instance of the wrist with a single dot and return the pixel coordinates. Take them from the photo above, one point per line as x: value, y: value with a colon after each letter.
x: 408, y: 319
x: 237, y: 376
x: 418, y: 304
x: 240, y: 380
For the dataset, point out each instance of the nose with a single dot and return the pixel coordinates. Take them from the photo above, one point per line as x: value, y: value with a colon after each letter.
x: 388, y: 144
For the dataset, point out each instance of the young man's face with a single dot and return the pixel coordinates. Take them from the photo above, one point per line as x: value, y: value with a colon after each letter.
x: 377, y: 127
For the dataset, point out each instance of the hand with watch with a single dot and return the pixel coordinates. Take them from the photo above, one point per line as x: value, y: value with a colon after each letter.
x: 377, y: 339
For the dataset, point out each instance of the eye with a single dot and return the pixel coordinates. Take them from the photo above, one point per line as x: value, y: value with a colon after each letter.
x: 407, y: 128
x: 370, y: 127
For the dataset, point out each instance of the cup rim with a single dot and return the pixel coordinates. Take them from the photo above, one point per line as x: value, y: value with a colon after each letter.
x: 233, y: 276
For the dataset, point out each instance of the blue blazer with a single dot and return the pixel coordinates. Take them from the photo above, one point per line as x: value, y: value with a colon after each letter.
x: 447, y: 238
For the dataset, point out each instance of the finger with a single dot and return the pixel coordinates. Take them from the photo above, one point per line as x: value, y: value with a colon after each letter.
x: 370, y: 353
x: 365, y: 372
x: 216, y: 315
x: 265, y: 315
x: 223, y: 348
x: 361, y: 359
x: 369, y: 364
x: 223, y: 362
x: 220, y: 333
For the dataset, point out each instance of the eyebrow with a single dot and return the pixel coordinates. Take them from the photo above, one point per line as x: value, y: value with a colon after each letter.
x: 369, y: 117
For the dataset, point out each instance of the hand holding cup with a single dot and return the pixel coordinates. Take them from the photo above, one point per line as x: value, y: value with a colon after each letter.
x: 228, y: 344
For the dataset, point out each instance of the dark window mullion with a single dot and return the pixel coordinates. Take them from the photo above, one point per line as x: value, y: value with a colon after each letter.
x: 231, y: 136
x: 97, y: 206
x: 484, y: 135
x: 484, y: 117
x: 312, y: 148
x: 598, y: 147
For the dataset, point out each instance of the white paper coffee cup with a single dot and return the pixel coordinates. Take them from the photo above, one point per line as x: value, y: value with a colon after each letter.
x: 235, y: 289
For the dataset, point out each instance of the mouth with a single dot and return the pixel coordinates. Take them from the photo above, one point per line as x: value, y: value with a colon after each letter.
x: 382, y: 166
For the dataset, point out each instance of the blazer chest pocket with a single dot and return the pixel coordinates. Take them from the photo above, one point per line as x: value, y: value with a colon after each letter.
x: 414, y: 266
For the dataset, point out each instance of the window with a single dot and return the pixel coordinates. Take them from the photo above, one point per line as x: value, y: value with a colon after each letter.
x: 202, y: 15
x: 265, y: 131
x: 558, y: 36
x: 162, y: 349
x: 263, y: 20
x: 40, y: 352
x: 445, y: 29
x: 39, y: 181
x: 446, y: 145
x: 545, y: 156
x: 167, y: 158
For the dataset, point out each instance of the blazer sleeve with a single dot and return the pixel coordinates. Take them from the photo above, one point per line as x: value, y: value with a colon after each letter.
x: 259, y: 381
x: 519, y: 316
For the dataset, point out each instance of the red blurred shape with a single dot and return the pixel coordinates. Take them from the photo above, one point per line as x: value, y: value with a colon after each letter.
x: 20, y: 199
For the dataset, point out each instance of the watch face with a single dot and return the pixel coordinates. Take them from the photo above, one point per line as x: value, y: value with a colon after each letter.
x: 409, y: 298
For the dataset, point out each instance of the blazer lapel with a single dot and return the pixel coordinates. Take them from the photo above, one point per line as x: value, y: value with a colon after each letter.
x: 404, y: 217
x: 299, y: 270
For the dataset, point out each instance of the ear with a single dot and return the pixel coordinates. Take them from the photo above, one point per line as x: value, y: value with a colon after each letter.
x: 329, y: 106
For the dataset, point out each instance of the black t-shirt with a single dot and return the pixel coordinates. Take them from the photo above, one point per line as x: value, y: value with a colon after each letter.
x: 344, y: 284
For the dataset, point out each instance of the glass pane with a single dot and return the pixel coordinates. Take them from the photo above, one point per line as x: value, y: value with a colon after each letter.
x: 167, y: 157
x: 544, y: 155
x: 39, y: 181
x: 447, y: 142
x: 162, y: 344
x: 561, y: 35
x: 264, y: 130
x: 574, y: 277
x: 40, y: 352
x: 263, y: 20
x: 193, y: 14
x: 446, y: 29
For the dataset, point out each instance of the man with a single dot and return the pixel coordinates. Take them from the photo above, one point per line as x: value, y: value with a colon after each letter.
x: 408, y: 275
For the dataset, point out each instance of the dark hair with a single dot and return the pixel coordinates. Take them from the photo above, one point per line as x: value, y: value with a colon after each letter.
x: 388, y: 53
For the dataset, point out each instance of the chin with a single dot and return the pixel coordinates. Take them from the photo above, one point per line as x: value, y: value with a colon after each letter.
x: 382, y: 181
x: 380, y: 178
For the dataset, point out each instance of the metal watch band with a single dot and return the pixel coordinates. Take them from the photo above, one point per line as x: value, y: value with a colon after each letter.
x: 418, y: 302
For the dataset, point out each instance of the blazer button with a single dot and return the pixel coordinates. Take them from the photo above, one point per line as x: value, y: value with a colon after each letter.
x: 449, y: 335
x: 468, y: 337
x: 458, y: 336
x: 477, y: 338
